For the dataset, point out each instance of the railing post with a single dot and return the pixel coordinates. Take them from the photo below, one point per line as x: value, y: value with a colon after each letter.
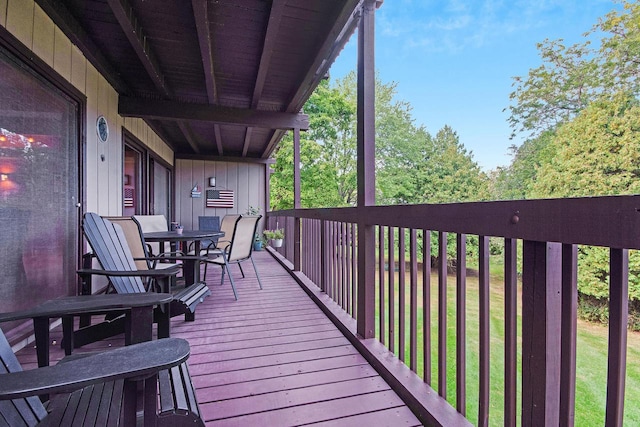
x: 365, y: 315
x: 618, y: 321
x: 324, y: 274
x: 541, y: 332
x: 296, y: 199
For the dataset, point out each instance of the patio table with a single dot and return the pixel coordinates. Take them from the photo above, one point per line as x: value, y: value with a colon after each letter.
x: 192, y: 266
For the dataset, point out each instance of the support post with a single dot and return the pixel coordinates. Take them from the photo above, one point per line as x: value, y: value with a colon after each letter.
x: 365, y: 315
x: 541, y: 332
x: 296, y: 199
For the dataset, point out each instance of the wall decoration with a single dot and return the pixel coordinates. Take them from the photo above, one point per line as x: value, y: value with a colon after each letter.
x: 195, y: 192
x: 102, y: 128
x: 220, y: 198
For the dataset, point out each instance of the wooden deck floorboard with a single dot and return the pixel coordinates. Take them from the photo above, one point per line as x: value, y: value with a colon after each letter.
x: 272, y: 358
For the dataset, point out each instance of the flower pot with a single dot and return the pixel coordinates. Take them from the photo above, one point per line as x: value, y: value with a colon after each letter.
x: 276, y: 243
x: 257, y: 246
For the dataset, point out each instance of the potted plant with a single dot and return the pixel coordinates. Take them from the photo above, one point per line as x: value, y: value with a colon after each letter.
x: 257, y: 242
x: 274, y: 236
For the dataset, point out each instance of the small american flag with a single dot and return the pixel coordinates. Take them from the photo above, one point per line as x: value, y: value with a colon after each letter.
x: 219, y: 199
x: 128, y: 198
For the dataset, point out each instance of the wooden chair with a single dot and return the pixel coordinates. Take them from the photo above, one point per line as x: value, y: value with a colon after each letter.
x: 100, y: 389
x: 239, y: 249
x: 110, y: 246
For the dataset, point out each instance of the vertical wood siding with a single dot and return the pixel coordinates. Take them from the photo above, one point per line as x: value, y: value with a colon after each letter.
x: 103, y: 179
x: 246, y: 180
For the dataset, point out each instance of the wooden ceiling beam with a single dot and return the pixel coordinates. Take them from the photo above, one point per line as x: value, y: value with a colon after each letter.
x: 132, y: 28
x: 134, y: 32
x: 201, y: 17
x: 218, y: 135
x: 170, y: 110
x: 247, y: 142
x: 275, y: 16
x: 344, y: 26
x: 69, y: 25
x: 188, y: 134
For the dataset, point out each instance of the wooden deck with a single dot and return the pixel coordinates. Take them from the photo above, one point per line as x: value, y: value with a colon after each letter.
x: 272, y: 358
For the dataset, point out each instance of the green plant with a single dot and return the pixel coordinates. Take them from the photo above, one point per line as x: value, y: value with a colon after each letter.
x: 276, y: 234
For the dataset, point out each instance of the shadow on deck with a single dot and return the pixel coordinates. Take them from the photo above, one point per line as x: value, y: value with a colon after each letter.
x: 272, y: 358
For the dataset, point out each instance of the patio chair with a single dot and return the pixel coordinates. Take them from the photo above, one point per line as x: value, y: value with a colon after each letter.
x: 151, y: 223
x: 139, y: 248
x: 209, y: 223
x: 239, y: 249
x: 215, y: 249
x: 100, y: 389
x: 114, y: 255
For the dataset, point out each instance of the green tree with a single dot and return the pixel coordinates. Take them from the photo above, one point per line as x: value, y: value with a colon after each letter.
x: 571, y: 77
x: 411, y: 165
x: 325, y: 151
x: 318, y: 185
x: 597, y: 153
x: 515, y: 182
x: 451, y: 174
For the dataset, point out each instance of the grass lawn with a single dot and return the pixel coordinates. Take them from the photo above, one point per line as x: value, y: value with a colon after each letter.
x: 591, y: 354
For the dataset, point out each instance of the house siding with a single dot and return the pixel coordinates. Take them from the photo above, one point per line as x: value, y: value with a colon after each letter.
x: 103, y: 179
x: 246, y: 180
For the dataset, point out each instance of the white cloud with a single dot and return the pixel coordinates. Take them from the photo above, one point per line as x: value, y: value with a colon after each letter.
x: 459, y: 24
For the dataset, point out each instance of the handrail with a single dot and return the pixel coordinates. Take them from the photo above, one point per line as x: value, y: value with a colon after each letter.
x: 611, y: 221
x: 550, y: 230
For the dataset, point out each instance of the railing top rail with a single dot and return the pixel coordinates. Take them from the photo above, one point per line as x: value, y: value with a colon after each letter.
x: 611, y: 221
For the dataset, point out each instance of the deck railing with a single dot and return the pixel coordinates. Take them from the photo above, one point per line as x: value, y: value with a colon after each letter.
x: 406, y: 307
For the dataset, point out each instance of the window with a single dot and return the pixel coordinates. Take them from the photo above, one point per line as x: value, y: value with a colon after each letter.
x: 144, y: 192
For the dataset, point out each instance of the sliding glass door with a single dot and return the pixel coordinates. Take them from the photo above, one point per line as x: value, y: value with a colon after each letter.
x: 39, y: 187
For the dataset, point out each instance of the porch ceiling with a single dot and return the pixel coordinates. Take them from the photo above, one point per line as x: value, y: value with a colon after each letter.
x: 211, y: 77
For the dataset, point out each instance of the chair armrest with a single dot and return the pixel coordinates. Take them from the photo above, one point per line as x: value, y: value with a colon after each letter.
x: 215, y: 246
x: 165, y: 272
x: 171, y: 254
x: 134, y: 362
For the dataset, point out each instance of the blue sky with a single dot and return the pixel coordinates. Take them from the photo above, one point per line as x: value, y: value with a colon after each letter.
x: 454, y: 60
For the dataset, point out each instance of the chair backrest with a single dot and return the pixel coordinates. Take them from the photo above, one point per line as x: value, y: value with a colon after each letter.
x: 110, y: 246
x: 208, y: 223
x: 133, y: 234
x: 151, y: 223
x: 228, y: 226
x: 26, y: 411
x: 242, y: 241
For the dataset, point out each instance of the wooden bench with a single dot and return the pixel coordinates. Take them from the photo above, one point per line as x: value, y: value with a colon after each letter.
x: 101, y: 389
x: 137, y: 318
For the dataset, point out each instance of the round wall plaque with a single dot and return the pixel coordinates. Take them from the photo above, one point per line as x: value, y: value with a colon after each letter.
x: 102, y: 127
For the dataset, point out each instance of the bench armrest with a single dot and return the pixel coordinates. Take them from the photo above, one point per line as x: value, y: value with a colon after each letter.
x: 134, y: 362
x: 165, y: 272
x: 88, y: 304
